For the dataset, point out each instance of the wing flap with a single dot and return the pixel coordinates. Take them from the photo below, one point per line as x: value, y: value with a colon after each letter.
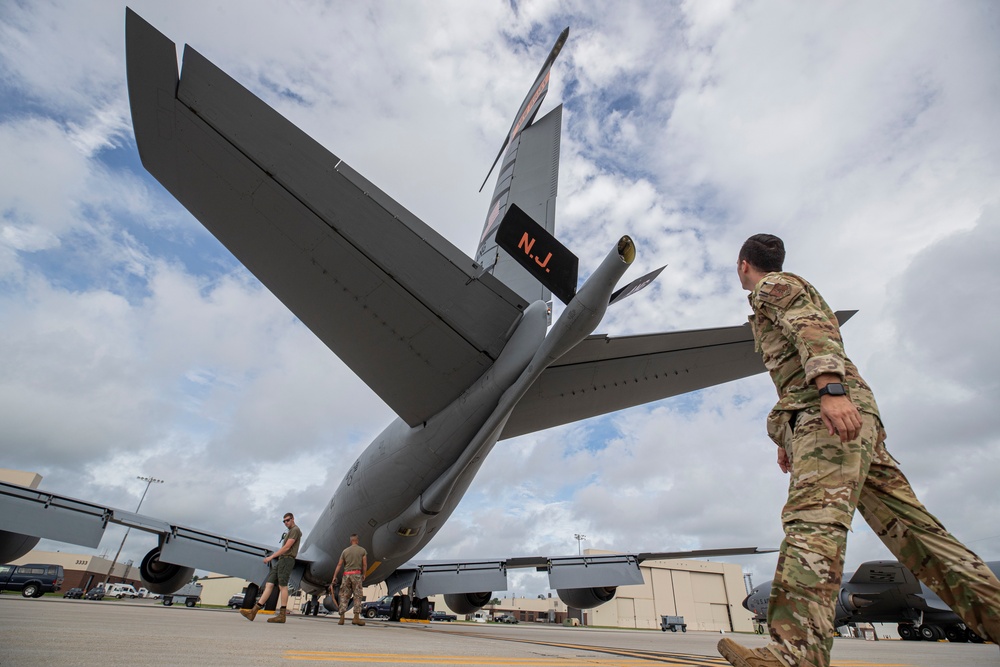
x: 394, y: 300
x: 53, y: 516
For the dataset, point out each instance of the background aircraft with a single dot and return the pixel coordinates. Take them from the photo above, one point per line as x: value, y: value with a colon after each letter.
x: 887, y: 592
x: 460, y: 349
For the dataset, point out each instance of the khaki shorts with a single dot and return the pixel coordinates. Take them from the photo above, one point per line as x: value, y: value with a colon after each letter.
x: 281, y: 570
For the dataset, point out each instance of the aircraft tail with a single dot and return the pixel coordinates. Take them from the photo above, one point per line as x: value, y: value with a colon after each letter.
x: 529, y: 174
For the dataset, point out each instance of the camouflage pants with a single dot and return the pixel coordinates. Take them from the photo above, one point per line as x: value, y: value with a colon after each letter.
x: 351, y: 586
x: 829, y: 479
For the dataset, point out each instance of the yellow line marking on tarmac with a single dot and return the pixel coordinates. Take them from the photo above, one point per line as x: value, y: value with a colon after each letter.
x: 413, y: 659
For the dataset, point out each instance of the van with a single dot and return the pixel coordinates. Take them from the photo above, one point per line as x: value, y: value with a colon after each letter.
x: 32, y: 580
x: 120, y: 591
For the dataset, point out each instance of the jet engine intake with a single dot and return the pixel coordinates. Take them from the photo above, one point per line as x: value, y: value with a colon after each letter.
x: 467, y: 603
x: 587, y: 598
x: 163, y: 578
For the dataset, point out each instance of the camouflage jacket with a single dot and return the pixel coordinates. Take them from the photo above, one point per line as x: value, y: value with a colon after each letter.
x: 798, y: 336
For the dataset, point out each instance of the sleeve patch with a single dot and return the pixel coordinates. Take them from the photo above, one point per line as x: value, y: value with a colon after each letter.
x: 779, y: 291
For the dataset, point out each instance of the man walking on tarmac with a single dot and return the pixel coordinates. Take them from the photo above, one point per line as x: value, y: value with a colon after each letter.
x: 280, y: 571
x: 830, y: 438
x: 354, y: 561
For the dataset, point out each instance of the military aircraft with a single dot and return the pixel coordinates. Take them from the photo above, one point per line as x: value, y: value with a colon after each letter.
x: 885, y: 591
x: 461, y: 349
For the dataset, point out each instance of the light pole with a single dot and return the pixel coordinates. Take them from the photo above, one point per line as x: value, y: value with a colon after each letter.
x: 148, y: 481
x: 579, y: 541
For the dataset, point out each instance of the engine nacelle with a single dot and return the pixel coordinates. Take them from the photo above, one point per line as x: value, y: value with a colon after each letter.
x: 163, y: 578
x: 587, y: 598
x: 15, y: 545
x: 467, y: 603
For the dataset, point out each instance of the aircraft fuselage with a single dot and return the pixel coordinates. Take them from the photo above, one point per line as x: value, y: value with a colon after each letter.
x: 409, y: 480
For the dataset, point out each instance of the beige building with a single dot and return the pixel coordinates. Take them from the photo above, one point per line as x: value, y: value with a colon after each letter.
x: 708, y: 595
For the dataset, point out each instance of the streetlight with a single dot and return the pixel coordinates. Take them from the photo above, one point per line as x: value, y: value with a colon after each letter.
x: 579, y: 541
x: 148, y: 481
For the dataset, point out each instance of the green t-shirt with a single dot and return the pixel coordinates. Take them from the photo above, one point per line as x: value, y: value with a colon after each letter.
x: 352, y: 557
x: 294, y: 534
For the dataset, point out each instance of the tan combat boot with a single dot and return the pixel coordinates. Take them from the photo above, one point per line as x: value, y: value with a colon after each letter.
x: 278, y: 617
x: 741, y: 656
x: 250, y: 614
x: 341, y: 622
x: 357, y: 619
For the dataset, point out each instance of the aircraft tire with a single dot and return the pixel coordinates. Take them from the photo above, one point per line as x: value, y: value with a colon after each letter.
x: 930, y: 633
x: 394, y: 608
x: 973, y: 637
x: 907, y: 632
x: 955, y: 633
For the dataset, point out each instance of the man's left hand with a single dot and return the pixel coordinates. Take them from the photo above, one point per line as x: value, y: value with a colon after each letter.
x: 841, y: 416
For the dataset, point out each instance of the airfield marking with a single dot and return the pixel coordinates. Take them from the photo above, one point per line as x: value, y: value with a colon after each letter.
x: 426, y: 659
x: 634, y: 656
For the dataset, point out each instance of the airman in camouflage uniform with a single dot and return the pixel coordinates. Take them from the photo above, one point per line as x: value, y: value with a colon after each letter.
x: 833, y: 444
x: 354, y: 560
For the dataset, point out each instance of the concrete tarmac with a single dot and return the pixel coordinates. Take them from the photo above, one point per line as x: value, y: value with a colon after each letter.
x: 56, y: 632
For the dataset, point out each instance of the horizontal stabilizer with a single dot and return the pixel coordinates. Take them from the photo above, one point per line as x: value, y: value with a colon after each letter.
x: 549, y: 261
x: 636, y: 285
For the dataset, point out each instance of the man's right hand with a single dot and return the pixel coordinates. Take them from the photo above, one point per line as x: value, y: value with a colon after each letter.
x: 783, y: 461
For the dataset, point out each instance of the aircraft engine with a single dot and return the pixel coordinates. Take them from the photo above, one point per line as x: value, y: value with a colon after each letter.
x: 163, y: 578
x: 15, y: 545
x: 587, y: 598
x: 467, y: 603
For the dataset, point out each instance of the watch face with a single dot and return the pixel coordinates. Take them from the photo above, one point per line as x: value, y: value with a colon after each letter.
x: 834, y: 389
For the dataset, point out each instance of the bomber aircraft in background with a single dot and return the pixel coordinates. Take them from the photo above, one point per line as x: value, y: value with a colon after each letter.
x: 885, y: 591
x: 461, y: 349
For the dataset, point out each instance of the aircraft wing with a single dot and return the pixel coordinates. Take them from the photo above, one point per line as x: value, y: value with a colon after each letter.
x: 604, y: 374
x: 426, y: 578
x: 416, y: 319
x: 39, y: 513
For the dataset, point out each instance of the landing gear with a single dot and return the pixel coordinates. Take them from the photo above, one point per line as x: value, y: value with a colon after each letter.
x: 311, y: 607
x: 973, y: 637
x: 907, y: 632
x: 931, y: 633
x: 955, y: 633
x: 402, y: 607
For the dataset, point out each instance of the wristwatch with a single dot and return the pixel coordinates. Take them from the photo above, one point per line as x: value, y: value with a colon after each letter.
x: 833, y: 389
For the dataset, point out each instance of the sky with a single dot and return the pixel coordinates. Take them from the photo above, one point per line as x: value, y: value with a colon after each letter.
x: 864, y: 134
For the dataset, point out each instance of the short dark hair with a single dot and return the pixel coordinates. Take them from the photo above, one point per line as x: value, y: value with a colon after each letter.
x: 288, y: 515
x: 764, y: 252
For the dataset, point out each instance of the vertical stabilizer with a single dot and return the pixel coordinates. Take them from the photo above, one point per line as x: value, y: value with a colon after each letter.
x: 529, y: 175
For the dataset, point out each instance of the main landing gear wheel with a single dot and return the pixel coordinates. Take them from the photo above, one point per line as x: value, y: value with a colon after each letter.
x: 907, y: 632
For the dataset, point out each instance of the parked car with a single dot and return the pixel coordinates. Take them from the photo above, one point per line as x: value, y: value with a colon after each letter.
x: 96, y: 593
x: 75, y: 593
x: 378, y: 607
x: 236, y: 601
x: 32, y: 580
x: 506, y: 618
x: 443, y: 616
